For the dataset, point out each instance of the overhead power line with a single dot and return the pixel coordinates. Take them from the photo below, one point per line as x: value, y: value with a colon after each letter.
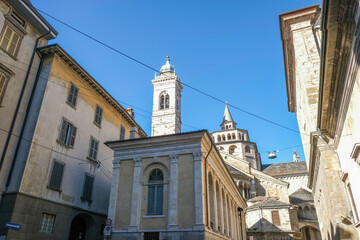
x: 154, y: 69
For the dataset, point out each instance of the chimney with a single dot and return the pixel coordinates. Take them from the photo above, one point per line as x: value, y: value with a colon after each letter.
x: 134, y: 133
x: 131, y: 112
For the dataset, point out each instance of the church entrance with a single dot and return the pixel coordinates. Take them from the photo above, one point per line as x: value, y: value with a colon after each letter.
x: 78, y: 229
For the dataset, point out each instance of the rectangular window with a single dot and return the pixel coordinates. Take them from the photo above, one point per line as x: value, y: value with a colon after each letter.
x: 47, y: 223
x: 3, y: 83
x: 67, y: 133
x: 56, y: 175
x: 122, y: 133
x: 88, y: 186
x: 275, y: 218
x: 93, y: 150
x: 10, y: 41
x: 72, y: 95
x: 98, y: 115
x: 151, y: 236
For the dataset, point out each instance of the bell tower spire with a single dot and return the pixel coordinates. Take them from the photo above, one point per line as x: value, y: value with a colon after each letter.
x: 166, y: 115
x: 228, y: 122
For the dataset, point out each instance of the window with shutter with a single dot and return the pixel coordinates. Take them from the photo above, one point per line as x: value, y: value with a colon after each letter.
x: 98, y: 115
x: 93, y: 148
x: 275, y: 218
x: 72, y: 95
x: 10, y: 41
x: 67, y: 134
x: 88, y: 186
x: 56, y: 175
x: 3, y: 83
x: 122, y: 133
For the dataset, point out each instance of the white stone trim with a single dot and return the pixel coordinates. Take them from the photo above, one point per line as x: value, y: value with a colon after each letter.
x: 135, y: 199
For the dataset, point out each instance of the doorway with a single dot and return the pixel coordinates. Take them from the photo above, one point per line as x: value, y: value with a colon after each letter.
x: 77, y: 229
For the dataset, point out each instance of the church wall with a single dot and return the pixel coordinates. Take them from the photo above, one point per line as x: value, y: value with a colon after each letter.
x: 296, y: 182
x: 186, y: 194
x: 266, y: 188
x: 122, y: 212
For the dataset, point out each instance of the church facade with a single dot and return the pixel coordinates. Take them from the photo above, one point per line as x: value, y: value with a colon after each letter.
x: 173, y: 185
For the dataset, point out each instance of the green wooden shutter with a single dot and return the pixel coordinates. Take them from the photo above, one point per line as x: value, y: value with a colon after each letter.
x: 73, y: 135
x: 62, y: 134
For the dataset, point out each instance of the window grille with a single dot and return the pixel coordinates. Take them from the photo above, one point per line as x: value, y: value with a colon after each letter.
x: 151, y: 236
x: 47, y: 223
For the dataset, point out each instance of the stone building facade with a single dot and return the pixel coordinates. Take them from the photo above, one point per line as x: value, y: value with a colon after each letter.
x: 60, y: 185
x: 180, y: 187
x: 320, y: 54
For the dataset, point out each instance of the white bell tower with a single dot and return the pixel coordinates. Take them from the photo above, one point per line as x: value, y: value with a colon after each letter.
x: 166, y: 115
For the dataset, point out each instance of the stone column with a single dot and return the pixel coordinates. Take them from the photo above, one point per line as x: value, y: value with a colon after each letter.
x: 253, y: 190
x: 243, y: 189
x: 221, y: 217
x: 199, y: 211
x: 216, y: 222
x: 173, y: 196
x: 114, y: 189
x: 136, y: 195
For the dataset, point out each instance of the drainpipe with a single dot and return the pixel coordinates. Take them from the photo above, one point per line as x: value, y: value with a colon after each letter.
x: 206, y: 184
x: 17, y: 111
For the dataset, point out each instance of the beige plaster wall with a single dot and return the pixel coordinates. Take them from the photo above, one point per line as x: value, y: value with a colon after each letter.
x: 54, y: 107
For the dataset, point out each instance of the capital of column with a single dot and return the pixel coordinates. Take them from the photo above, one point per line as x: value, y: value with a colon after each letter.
x: 116, y: 164
x: 173, y: 158
x: 197, y: 156
x: 137, y: 161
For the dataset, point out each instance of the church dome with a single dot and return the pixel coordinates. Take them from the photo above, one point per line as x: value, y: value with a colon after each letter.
x: 167, y: 67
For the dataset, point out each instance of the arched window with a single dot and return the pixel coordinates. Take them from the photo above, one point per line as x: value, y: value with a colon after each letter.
x: 164, y: 100
x: 232, y: 149
x: 155, y: 193
x: 218, y: 138
x: 223, y: 137
x: 229, y: 136
x: 233, y: 136
x: 247, y: 149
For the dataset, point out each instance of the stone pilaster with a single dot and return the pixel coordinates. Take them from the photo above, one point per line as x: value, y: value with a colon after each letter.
x: 173, y: 196
x: 199, y: 213
x: 114, y: 189
x: 135, y: 199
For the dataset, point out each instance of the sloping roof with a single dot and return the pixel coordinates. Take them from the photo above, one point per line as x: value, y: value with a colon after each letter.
x: 267, y: 202
x: 287, y: 168
x: 56, y: 49
x: 301, y: 195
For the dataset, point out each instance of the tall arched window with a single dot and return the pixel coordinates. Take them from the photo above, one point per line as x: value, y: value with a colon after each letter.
x: 164, y: 100
x: 155, y: 193
x: 247, y: 149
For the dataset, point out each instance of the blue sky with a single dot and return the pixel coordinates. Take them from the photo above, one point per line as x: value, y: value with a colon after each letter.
x: 229, y: 49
